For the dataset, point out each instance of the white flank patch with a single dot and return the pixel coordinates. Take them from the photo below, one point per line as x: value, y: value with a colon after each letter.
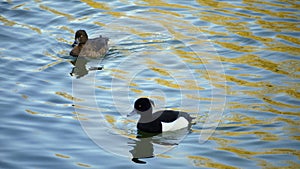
x: 179, y: 123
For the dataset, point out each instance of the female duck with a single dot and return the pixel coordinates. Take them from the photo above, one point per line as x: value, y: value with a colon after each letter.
x: 91, y: 48
x: 161, y: 121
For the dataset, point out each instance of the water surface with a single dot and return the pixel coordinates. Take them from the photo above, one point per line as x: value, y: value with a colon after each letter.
x: 233, y: 65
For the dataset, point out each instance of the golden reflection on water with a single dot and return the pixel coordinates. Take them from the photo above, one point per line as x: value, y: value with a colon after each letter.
x: 199, y: 161
x: 62, y: 156
x: 289, y: 38
x: 97, y: 5
x: 68, y: 16
x: 83, y: 165
x: 68, y: 96
x: 236, y: 47
x: 161, y: 3
x: 232, y: 22
x: 66, y: 157
x: 225, y: 144
x: 112, y: 121
x: 13, y: 23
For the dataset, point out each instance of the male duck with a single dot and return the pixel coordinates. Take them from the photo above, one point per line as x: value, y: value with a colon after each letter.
x: 91, y: 48
x: 161, y: 121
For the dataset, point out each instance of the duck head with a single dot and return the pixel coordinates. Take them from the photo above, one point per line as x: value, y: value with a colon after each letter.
x: 143, y: 107
x: 80, y: 37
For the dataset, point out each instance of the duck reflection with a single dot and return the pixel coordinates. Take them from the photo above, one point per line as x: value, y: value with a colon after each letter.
x: 144, y: 145
x: 79, y: 70
x: 142, y: 148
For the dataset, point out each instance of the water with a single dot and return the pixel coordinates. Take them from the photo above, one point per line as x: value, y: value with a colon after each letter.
x: 234, y: 65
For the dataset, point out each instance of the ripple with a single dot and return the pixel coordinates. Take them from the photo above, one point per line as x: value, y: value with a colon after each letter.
x: 185, y: 56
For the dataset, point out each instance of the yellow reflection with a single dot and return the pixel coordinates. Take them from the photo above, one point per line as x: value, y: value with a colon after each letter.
x: 102, y: 87
x: 251, y: 36
x: 249, y: 154
x: 49, y: 65
x: 236, y: 47
x: 259, y: 7
x: 97, y: 5
x: 282, y: 112
x: 160, y: 71
x: 256, y: 61
x: 62, y: 156
x: 77, y: 117
x: 119, y: 71
x: 150, y: 61
x: 239, y: 13
x: 167, y: 83
x: 83, y: 165
x: 271, y: 13
x: 137, y: 91
x: 18, y: 6
x: 289, y: 38
x: 190, y: 96
x: 206, y: 162
x: 116, y: 14
x: 191, y: 85
x: 119, y: 74
x: 281, y: 47
x: 112, y: 121
x: 165, y: 12
x: 213, y: 32
x: 32, y: 112
x: 288, y: 121
x: 6, y: 21
x: 12, y: 23
x: 296, y: 138
x: 133, y: 84
x: 243, y: 119
x: 68, y: 16
x: 240, y: 151
x: 216, y: 4
x: 24, y: 96
x: 279, y: 26
x: 259, y: 2
x: 68, y: 96
x: 269, y: 100
x: 222, y: 142
x: 99, y: 23
x: 163, y: 156
x: 161, y: 3
x: 67, y: 29
x: 244, y: 82
x: 228, y: 22
x: 269, y: 165
x: 192, y: 57
x: 77, y: 106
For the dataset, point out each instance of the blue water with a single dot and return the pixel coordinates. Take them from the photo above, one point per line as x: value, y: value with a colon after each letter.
x: 233, y: 65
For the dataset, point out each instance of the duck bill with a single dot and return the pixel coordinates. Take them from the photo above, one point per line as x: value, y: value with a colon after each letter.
x: 133, y: 112
x: 75, y: 43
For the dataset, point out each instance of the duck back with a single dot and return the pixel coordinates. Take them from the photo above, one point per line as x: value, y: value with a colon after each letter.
x: 94, y: 48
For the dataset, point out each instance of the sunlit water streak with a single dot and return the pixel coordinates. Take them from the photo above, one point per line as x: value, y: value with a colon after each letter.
x: 256, y: 42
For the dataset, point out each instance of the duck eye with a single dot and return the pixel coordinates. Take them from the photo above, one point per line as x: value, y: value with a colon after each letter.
x: 140, y: 105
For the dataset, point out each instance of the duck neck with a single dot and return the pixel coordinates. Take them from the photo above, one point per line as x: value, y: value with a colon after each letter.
x: 146, y: 116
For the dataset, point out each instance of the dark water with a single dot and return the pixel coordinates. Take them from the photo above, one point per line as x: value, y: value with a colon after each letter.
x: 233, y: 65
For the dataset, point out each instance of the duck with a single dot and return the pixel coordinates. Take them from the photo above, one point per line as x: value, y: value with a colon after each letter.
x: 160, y: 121
x: 91, y: 48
